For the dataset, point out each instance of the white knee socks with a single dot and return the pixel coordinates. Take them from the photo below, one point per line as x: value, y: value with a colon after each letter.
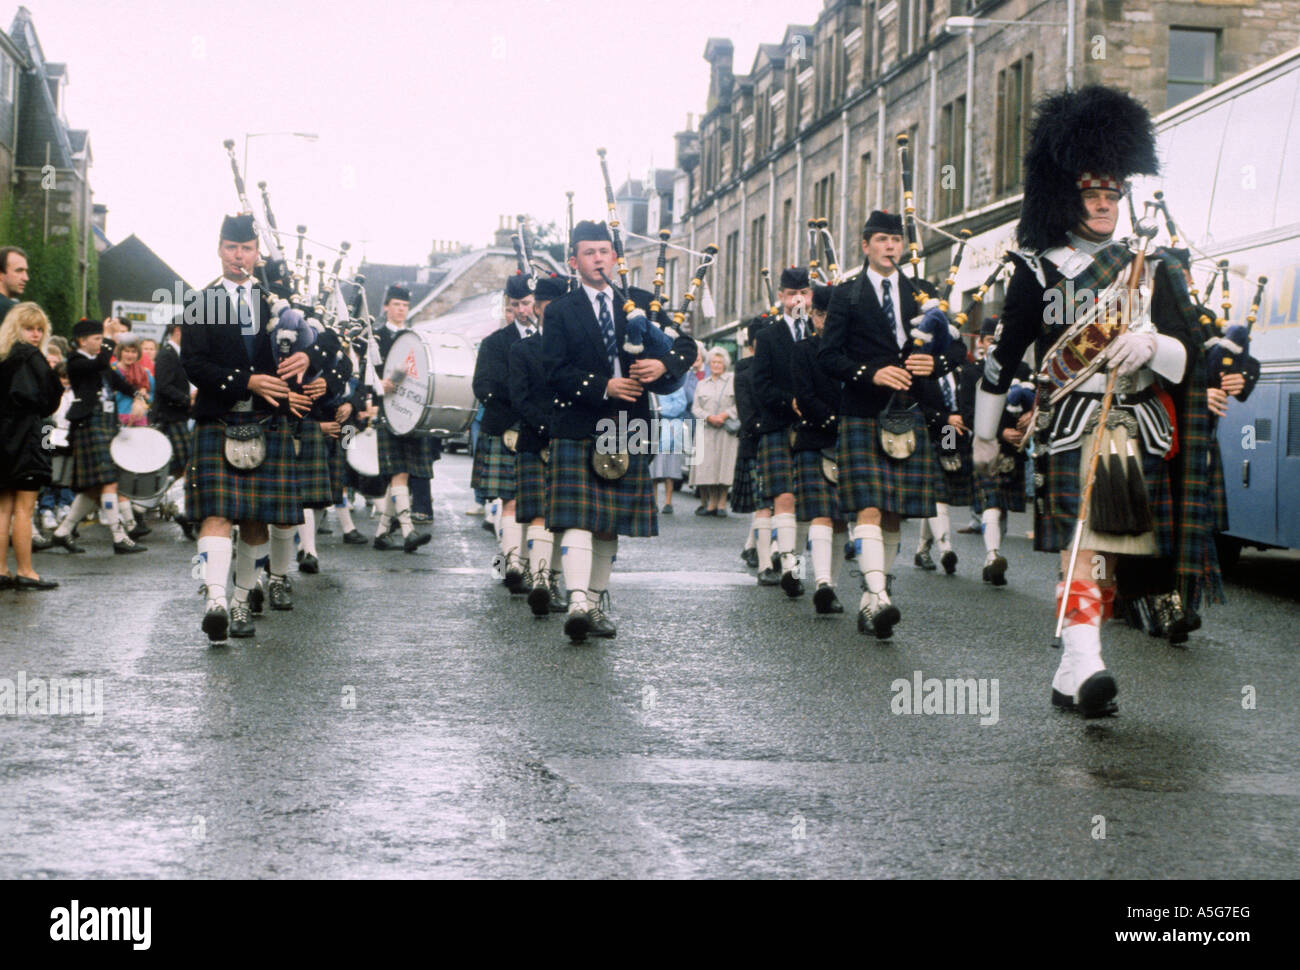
x: 992, y: 530
x: 108, y: 502
x: 603, y: 554
x: 214, y: 558
x: 576, y: 561
x: 402, y: 507
x: 307, y: 532
x: 752, y: 539
x: 870, y: 548
x: 941, y: 526
x: 822, y: 540
x: 512, y: 535
x: 81, y: 507
x: 281, y: 549
x: 345, y: 518
x: 540, y: 543
x: 785, y: 526
x: 246, y: 567
x: 763, y: 541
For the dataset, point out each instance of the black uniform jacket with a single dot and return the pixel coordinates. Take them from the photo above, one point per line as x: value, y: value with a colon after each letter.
x: 29, y: 391
x: 577, y: 369
x: 859, y: 340
x: 530, y: 396
x: 171, y: 388
x: 746, y: 408
x: 818, y: 396
x: 216, y: 362
x: 773, y: 379
x: 87, y: 375
x: 492, y: 379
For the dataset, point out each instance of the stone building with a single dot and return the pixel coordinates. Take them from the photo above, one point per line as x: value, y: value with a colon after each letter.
x: 809, y: 131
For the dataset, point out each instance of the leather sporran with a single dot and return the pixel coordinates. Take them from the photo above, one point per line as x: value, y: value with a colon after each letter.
x: 897, y: 431
x: 830, y: 467
x: 610, y: 466
x: 245, y: 446
x: 510, y: 438
x: 949, y: 462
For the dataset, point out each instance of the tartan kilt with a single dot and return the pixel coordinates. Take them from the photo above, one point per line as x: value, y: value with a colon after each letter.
x: 314, y: 486
x: 1217, y: 493
x: 957, y: 488
x: 410, y: 454
x: 1005, y: 492
x: 776, y: 465
x: 580, y: 499
x: 1056, y: 501
x: 744, y: 486
x: 814, y: 497
x: 494, y: 468
x: 530, y: 497
x: 178, y: 436
x: 92, y: 463
x: 870, y: 479
x: 336, y: 462
x: 268, y: 493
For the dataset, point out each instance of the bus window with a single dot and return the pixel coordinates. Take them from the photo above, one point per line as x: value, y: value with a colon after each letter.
x: 1245, y: 192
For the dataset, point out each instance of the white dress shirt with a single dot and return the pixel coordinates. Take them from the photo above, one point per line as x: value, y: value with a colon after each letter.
x: 900, y: 332
x: 595, y: 309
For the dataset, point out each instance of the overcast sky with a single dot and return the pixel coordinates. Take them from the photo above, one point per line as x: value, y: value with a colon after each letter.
x: 432, y: 117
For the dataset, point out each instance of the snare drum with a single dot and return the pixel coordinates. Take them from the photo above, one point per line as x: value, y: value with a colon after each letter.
x: 434, y: 374
x: 143, y: 457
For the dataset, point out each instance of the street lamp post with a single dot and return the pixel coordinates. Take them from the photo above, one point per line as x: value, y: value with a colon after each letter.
x: 305, y: 135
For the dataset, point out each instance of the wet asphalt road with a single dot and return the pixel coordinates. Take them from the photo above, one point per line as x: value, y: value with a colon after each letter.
x: 409, y: 719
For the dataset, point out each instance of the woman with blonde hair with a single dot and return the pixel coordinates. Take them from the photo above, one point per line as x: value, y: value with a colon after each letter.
x: 716, y: 435
x: 29, y: 391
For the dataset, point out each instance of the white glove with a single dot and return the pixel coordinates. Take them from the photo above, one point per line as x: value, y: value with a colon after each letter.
x: 1130, y: 351
x: 983, y: 453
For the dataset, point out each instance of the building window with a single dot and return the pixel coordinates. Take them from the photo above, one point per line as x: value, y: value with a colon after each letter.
x: 1193, y: 63
x: 757, y: 259
x: 1014, y: 102
x: 731, y: 280
x: 948, y: 193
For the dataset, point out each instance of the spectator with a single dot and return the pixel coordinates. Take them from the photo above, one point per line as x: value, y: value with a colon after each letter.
x: 13, y: 278
x: 133, y: 408
x: 57, y: 497
x: 29, y: 390
x: 148, y: 351
x: 667, y: 464
x: 717, y: 428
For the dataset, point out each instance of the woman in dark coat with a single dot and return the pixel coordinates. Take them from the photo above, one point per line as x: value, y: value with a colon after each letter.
x: 29, y: 392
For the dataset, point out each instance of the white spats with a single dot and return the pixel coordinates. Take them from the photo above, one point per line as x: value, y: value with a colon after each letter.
x: 344, y: 515
x: 752, y: 540
x: 512, y: 537
x: 603, y: 554
x: 575, y: 562
x: 941, y: 526
x: 992, y: 519
x: 386, y: 512
x: 246, y: 567
x: 822, y: 540
x: 281, y: 549
x: 307, y: 532
x: 870, y: 544
x: 763, y: 541
x: 214, y: 560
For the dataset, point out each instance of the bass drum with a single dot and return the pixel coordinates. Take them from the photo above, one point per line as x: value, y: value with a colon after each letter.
x: 434, y: 374
x: 363, y: 458
x: 143, y: 457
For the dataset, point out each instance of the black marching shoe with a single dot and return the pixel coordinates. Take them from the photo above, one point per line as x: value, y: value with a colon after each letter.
x: 241, y: 619
x: 187, y: 527
x: 67, y: 542
x: 1096, y: 695
x: 354, y: 538
x: 558, y: 604
x: 577, y: 625
x: 600, y: 624
x: 139, y: 530
x: 883, y: 620
x: 257, y: 598
x: 825, y: 600
x: 750, y: 557
x: 539, y: 597
x: 850, y: 549
x: 792, y: 585
x: 215, y: 623
x: 124, y: 547
x: 515, y: 579
x: 387, y: 543
x: 308, y: 564
x: 40, y: 541
x: 415, y: 540
x: 769, y: 577
x: 280, y: 593
x: 922, y: 560
x: 6, y: 581
x: 949, y: 562
x: 996, y: 571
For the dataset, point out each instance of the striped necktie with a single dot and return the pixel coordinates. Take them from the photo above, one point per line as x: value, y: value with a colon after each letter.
x: 607, y: 328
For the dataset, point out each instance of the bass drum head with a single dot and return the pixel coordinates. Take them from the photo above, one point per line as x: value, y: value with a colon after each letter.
x: 363, y: 453
x: 435, y: 393
x: 143, y: 457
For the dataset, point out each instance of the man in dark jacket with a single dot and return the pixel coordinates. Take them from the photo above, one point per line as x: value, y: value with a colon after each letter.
x: 170, y: 412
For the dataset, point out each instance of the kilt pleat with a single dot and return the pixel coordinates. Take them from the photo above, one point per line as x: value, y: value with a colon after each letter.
x: 1056, y: 501
x: 409, y: 454
x: 336, y: 462
x: 92, y: 462
x: 956, y: 488
x: 268, y: 493
x: 1217, y: 494
x: 870, y: 479
x: 775, y: 464
x: 744, y: 486
x: 312, y: 464
x: 178, y: 435
x: 814, y: 496
x: 580, y: 499
x: 530, y: 497
x: 1005, y: 492
x: 494, y: 468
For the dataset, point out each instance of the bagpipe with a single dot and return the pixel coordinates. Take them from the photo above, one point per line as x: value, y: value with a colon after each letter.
x: 1229, y: 353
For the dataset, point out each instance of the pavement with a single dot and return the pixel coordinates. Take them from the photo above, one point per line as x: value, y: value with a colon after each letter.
x: 408, y: 718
